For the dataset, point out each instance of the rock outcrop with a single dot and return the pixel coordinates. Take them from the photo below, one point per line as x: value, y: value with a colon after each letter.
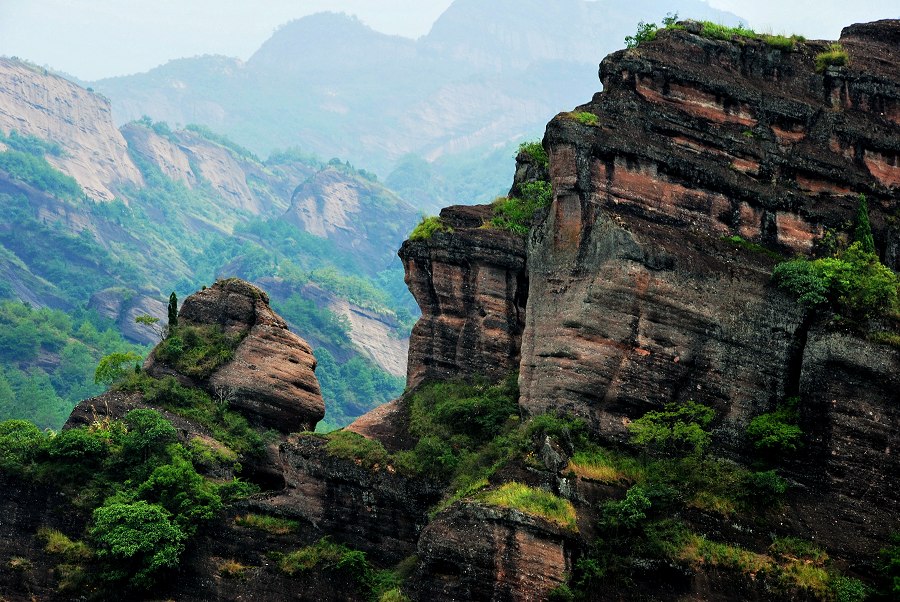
x: 270, y: 380
x: 474, y: 552
x: 353, y: 212
x: 123, y: 306
x: 471, y: 286
x: 638, y: 294
x: 46, y: 106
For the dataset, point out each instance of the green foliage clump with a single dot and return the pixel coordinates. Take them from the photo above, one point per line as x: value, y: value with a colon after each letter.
x: 516, y: 213
x: 226, y: 426
x: 835, y: 56
x: 36, y: 171
x: 848, y: 589
x: 741, y: 242
x: 533, y: 501
x: 31, y: 145
x: 222, y: 140
x: 428, y: 227
x: 646, y: 32
x: 20, y: 442
x: 782, y: 42
x: 145, y: 495
x: 326, y: 555
x: 678, y: 428
x: 855, y: 283
x: 777, y: 432
x: 717, y: 31
x: 137, y: 540
x: 59, y: 544
x: 587, y: 118
x: 889, y: 566
x: 764, y: 487
x: 114, y: 366
x: 561, y: 593
x: 270, y: 524
x: 348, y: 445
x: 629, y: 513
x: 198, y: 350
x: 535, y: 150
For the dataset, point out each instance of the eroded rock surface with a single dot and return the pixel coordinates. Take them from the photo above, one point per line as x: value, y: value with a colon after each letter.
x: 636, y: 297
x: 271, y: 378
x: 46, y: 106
x: 471, y: 286
x: 475, y: 552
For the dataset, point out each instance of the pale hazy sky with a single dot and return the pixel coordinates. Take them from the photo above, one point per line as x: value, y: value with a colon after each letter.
x: 98, y: 38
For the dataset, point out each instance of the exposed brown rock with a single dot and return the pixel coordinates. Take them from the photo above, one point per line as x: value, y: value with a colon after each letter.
x: 271, y: 378
x: 375, y: 510
x: 474, y: 552
x: 636, y: 300
x: 470, y: 285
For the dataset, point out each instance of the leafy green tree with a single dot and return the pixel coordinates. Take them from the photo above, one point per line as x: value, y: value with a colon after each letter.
x: 148, y: 434
x: 135, y: 541
x: 678, y: 428
x: 178, y: 488
x: 855, y: 283
x: 114, y: 366
x: 20, y: 442
x: 777, y: 432
x: 77, y: 445
x: 152, y: 323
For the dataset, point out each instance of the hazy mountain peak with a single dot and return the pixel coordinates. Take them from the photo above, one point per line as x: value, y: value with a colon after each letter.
x: 324, y: 41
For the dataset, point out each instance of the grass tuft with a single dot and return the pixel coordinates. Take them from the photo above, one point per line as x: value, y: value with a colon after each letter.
x: 232, y: 569
x: 270, y: 524
x: 835, y: 56
x: 536, y: 502
x: 428, y: 227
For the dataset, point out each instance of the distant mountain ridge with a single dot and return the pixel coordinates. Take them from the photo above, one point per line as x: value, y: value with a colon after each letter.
x: 488, y: 76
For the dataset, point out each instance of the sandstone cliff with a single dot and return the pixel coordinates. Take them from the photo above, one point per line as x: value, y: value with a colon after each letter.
x: 471, y: 286
x: 49, y: 107
x: 638, y: 294
x: 270, y: 377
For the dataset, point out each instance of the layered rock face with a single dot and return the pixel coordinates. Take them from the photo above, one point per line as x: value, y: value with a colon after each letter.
x: 473, y: 552
x: 471, y: 286
x: 637, y: 293
x: 34, y: 103
x: 270, y: 379
x: 637, y: 299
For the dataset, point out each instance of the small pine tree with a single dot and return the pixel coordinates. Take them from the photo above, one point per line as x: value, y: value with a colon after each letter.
x: 173, y: 311
x: 863, y: 231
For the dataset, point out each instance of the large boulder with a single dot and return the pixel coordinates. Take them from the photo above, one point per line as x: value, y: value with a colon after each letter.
x: 271, y: 377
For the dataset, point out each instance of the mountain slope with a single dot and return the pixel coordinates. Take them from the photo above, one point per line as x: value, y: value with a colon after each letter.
x: 488, y: 75
x: 196, y: 207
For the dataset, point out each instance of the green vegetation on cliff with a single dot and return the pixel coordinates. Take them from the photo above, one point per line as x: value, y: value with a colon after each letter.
x: 140, y: 486
x: 853, y: 282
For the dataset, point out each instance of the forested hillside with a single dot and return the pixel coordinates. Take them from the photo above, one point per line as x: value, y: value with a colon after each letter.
x: 197, y: 207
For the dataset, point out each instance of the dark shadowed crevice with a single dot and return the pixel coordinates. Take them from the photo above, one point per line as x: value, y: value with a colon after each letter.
x: 795, y: 356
